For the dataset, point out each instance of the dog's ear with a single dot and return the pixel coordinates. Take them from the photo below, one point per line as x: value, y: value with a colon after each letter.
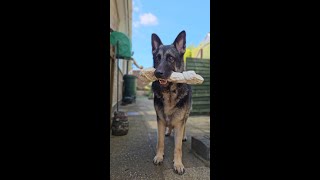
x: 155, y: 42
x: 180, y: 42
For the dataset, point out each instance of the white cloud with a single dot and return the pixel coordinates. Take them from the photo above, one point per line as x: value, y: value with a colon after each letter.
x: 135, y: 7
x: 140, y: 18
x: 135, y: 24
x: 148, y: 19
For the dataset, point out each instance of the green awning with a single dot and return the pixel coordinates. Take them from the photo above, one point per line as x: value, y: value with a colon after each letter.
x: 124, y: 46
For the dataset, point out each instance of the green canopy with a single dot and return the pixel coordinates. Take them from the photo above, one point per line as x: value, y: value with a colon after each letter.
x: 124, y: 46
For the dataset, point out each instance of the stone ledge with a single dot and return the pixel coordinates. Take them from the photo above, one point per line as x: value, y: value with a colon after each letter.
x: 201, y: 146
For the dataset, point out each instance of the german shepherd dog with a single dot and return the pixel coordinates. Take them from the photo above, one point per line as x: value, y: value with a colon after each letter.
x: 172, y: 101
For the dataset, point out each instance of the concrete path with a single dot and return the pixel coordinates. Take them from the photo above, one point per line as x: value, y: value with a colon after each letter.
x: 131, y: 155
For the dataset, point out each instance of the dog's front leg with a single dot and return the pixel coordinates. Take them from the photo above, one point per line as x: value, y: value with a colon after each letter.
x: 178, y: 166
x: 160, y: 145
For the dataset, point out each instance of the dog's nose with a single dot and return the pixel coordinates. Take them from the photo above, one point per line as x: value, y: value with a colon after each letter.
x: 158, y: 73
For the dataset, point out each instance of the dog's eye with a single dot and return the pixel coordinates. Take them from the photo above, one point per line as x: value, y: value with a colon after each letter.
x: 170, y: 58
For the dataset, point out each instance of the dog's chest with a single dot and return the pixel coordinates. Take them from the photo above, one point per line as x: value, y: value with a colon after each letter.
x: 169, y: 102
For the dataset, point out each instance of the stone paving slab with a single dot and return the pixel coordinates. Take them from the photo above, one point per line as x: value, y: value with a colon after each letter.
x: 196, y: 173
x: 131, y: 155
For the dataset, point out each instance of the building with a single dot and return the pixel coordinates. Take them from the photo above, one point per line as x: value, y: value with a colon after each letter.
x: 202, y: 51
x: 121, y: 21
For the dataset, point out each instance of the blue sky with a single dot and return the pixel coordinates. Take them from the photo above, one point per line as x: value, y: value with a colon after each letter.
x: 167, y: 18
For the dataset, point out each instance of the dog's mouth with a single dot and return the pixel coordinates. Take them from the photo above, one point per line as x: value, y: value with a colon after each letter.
x: 163, y: 81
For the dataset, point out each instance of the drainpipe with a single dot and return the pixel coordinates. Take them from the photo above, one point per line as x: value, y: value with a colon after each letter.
x: 128, y: 16
x: 112, y: 80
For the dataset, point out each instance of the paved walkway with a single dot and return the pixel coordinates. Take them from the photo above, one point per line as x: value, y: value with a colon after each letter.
x: 131, y: 155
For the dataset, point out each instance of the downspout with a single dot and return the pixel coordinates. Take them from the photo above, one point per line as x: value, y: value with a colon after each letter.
x: 118, y: 16
x: 128, y: 30
x: 112, y: 80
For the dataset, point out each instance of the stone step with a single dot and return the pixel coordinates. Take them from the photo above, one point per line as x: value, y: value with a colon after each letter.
x: 201, y: 146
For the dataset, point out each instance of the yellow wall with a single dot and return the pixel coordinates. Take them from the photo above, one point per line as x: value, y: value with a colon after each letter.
x: 187, y: 54
x: 195, y: 52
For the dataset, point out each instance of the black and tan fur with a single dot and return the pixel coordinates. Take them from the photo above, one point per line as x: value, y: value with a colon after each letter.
x: 172, y: 101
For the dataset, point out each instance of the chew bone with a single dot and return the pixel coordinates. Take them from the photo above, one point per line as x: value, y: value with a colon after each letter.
x: 188, y: 77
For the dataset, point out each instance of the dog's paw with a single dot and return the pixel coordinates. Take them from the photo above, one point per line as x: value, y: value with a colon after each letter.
x: 157, y: 160
x: 184, y: 139
x: 178, y: 168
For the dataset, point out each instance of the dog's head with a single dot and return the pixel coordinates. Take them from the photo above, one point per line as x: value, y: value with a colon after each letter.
x: 168, y: 58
